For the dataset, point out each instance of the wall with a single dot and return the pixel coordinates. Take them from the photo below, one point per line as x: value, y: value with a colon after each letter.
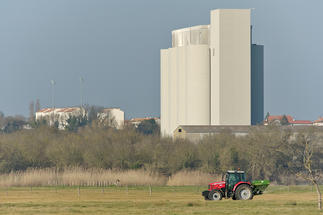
x: 230, y: 67
x: 185, y: 87
x: 113, y: 116
x: 257, y: 84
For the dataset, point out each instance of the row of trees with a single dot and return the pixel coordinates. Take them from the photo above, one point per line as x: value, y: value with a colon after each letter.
x: 10, y: 124
x: 272, y: 153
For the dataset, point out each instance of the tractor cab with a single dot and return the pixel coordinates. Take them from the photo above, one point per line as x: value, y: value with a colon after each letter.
x: 231, y: 179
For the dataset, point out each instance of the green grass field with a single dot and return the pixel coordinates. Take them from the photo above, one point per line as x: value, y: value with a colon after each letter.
x: 163, y: 200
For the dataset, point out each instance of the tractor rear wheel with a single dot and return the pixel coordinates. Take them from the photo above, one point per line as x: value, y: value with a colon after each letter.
x: 244, y: 192
x: 215, y: 195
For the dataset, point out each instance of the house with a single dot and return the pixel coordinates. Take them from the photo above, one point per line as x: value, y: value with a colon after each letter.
x: 318, y: 122
x: 301, y: 123
x: 289, y: 120
x: 276, y: 120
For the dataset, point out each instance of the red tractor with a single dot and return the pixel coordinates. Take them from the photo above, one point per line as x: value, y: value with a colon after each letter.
x: 235, y: 186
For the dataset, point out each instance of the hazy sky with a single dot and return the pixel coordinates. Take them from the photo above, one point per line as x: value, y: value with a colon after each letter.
x: 114, y: 45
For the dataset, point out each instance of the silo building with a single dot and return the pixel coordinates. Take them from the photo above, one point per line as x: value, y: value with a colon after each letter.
x: 210, y: 75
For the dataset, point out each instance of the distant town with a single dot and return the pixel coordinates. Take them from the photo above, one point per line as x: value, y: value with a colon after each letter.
x: 70, y: 118
x: 63, y: 118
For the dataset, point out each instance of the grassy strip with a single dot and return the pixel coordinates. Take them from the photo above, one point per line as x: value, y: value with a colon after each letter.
x: 168, y: 200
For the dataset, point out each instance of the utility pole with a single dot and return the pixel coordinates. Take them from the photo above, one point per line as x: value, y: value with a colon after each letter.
x: 81, y: 90
x: 52, y: 84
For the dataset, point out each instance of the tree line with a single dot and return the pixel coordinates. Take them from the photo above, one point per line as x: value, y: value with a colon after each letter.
x: 272, y: 152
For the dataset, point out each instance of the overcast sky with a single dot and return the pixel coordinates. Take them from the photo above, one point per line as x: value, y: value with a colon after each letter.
x: 114, y: 45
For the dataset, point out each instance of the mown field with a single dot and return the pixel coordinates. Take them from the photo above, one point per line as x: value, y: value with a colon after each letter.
x: 161, y: 200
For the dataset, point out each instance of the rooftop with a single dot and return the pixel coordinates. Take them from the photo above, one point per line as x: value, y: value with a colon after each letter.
x: 302, y: 122
x: 279, y: 117
x: 59, y: 110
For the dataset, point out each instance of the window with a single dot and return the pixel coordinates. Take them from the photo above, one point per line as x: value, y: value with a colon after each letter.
x: 179, y: 130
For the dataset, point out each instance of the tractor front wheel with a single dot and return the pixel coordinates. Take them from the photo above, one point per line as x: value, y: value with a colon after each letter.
x: 244, y: 192
x: 215, y: 195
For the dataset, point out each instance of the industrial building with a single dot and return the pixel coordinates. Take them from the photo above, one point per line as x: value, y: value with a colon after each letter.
x: 195, y: 133
x: 213, y: 74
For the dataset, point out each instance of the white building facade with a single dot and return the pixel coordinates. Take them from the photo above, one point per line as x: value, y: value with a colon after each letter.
x: 206, y: 74
x: 113, y: 117
x: 59, y: 115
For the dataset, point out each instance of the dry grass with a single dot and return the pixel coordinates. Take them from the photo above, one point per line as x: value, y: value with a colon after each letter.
x: 194, y: 178
x: 165, y: 200
x: 79, y: 176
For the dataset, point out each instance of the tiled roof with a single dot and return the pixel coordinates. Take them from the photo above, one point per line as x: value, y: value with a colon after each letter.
x: 45, y: 110
x: 142, y: 119
x: 289, y: 119
x: 59, y: 110
x: 280, y: 117
x: 319, y: 120
x: 302, y: 122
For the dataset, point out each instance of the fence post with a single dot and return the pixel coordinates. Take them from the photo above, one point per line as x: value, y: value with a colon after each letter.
x: 79, y: 191
x: 150, y: 190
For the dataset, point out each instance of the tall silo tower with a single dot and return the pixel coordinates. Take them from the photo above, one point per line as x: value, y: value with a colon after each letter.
x: 207, y: 77
x: 230, y: 47
x: 185, y: 79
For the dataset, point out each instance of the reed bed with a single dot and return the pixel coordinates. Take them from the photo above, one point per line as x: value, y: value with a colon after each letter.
x: 80, y: 177
x: 100, y: 177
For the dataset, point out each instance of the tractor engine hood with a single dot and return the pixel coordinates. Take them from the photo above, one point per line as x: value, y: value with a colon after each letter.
x: 217, y: 185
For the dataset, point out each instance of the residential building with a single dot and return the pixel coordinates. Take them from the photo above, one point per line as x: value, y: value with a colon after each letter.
x: 318, y: 122
x: 276, y: 120
x: 301, y: 123
x: 289, y: 120
x: 111, y: 116
x: 59, y: 115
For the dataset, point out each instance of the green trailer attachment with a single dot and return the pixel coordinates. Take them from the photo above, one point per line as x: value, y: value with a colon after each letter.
x: 259, y: 186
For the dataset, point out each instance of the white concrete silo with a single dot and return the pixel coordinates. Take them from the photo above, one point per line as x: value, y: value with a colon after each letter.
x: 206, y: 76
x: 230, y: 67
x: 164, y: 124
x: 185, y: 80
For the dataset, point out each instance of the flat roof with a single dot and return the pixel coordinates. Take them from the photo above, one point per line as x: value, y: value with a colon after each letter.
x: 214, y: 128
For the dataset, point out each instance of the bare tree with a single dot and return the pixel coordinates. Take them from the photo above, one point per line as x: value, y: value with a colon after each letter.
x: 31, y: 111
x: 37, y: 105
x: 309, y: 172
